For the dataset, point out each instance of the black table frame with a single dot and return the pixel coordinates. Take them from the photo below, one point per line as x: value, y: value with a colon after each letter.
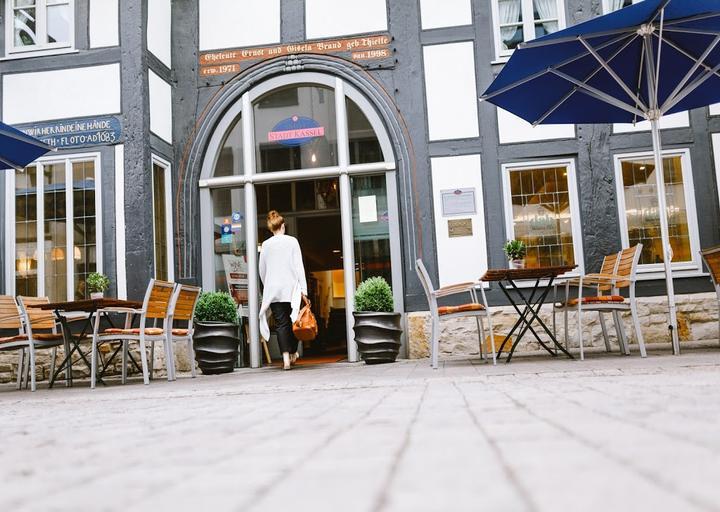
x: 530, y: 314
x: 71, y: 345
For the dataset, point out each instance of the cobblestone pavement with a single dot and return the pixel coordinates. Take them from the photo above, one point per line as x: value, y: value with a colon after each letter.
x: 611, y: 433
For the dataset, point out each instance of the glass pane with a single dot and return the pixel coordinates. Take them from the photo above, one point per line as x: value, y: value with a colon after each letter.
x: 84, y: 251
x: 371, y: 228
x: 641, y: 209
x: 511, y: 31
x: 230, y: 160
x: 295, y: 131
x: 545, y: 9
x: 541, y: 215
x: 55, y: 249
x: 58, y: 23
x: 25, y: 27
x: 160, y: 223
x: 229, y: 229
x: 364, y: 144
x: 26, y: 256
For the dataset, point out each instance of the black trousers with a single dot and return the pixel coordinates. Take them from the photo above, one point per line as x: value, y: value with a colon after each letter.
x: 283, y: 326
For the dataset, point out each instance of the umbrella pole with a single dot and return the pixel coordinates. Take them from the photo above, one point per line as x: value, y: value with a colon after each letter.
x: 665, y: 233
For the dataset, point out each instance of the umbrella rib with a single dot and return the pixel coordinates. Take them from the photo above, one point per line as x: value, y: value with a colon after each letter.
x: 598, y: 94
x: 698, y: 17
x: 574, y: 90
x: 539, y: 42
x: 614, y: 75
x: 670, y: 103
x: 687, y: 54
x: 27, y: 139
x: 699, y: 62
x: 549, y: 70
x: 697, y: 31
x: 11, y: 164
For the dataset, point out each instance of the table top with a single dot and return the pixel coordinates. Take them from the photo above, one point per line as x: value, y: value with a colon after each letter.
x: 89, y: 305
x: 518, y: 274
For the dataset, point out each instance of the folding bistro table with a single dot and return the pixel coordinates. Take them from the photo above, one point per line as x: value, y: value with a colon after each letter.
x: 527, y: 301
x: 72, y: 341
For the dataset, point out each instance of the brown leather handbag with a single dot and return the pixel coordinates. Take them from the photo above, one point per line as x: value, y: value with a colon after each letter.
x: 305, y: 327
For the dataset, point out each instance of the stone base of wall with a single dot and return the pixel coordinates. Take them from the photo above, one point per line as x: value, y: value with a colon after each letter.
x: 9, y: 362
x: 697, y: 321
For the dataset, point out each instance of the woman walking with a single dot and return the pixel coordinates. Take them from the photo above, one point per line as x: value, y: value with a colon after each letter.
x: 284, y: 284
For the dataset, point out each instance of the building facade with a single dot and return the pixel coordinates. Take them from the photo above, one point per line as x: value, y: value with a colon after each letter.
x: 181, y: 124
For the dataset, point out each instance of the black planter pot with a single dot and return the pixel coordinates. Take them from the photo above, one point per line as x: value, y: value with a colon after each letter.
x: 378, y: 336
x: 216, y: 346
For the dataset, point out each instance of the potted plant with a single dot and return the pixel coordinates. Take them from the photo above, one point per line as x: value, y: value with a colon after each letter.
x: 515, y: 251
x: 216, y: 337
x: 377, y: 326
x: 97, y: 284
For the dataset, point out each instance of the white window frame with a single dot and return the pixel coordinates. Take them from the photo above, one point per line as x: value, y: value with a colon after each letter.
x: 41, y: 31
x: 503, y: 55
x: 692, y: 268
x: 167, y: 178
x: 69, y: 234
x: 575, y: 219
x: 605, y: 11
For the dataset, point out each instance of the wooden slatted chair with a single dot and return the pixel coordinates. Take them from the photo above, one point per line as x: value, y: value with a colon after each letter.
x: 154, y: 309
x: 711, y: 257
x: 609, y: 267
x: 608, y: 298
x: 13, y: 338
x: 39, y: 331
x: 182, y: 309
x: 475, y: 309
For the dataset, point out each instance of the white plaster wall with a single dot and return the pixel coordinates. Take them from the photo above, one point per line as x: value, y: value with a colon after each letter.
x: 329, y: 18
x: 514, y: 129
x: 716, y: 160
x: 450, y: 91
x: 104, y: 25
x: 60, y: 94
x: 234, y: 23
x: 715, y: 109
x: 445, y: 13
x: 158, y: 30
x: 679, y: 120
x: 160, y: 107
x: 460, y: 259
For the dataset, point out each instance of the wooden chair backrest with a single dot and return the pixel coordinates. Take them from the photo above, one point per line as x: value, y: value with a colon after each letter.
x: 627, y: 266
x: 712, y: 260
x: 608, y: 267
x: 184, y: 301
x: 37, y: 318
x: 157, y: 299
x: 9, y: 313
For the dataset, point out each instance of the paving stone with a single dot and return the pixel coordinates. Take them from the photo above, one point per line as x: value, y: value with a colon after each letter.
x: 540, y: 434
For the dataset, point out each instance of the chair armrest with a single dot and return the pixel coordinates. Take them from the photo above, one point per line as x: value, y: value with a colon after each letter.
x: 454, y: 289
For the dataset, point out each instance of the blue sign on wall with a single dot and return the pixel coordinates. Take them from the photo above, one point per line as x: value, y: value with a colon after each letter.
x: 72, y: 133
x: 296, y: 131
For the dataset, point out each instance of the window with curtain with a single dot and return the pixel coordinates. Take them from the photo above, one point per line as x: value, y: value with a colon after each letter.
x: 56, y: 221
x: 40, y: 24
x: 540, y: 205
x: 160, y: 220
x: 614, y: 5
x: 523, y: 20
x: 642, y: 218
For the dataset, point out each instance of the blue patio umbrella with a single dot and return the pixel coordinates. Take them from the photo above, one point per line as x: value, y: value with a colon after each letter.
x: 653, y: 58
x: 17, y: 149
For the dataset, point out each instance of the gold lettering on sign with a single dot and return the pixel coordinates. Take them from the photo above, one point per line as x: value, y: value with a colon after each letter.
x: 359, y: 48
x: 459, y: 228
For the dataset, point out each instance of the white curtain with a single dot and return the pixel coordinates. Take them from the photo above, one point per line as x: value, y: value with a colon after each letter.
x: 509, y: 13
x: 612, y: 5
x: 548, y: 10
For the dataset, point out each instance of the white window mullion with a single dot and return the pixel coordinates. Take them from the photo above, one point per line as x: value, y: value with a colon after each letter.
x: 528, y: 16
x: 10, y: 233
x: 69, y: 231
x: 97, y: 174
x: 40, y: 224
x: 41, y: 22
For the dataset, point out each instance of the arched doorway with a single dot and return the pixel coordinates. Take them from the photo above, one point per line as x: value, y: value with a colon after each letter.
x: 312, y: 146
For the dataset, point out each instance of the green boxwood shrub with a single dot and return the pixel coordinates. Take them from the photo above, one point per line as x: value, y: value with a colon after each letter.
x: 216, y: 307
x: 374, y: 295
x: 97, y: 283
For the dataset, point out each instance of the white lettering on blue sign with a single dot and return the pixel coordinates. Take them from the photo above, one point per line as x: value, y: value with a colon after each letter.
x: 105, y: 130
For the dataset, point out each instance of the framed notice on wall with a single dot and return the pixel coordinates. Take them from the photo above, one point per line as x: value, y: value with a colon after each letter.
x: 456, y: 202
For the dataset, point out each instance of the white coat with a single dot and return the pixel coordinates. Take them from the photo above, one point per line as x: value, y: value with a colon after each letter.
x: 283, y: 276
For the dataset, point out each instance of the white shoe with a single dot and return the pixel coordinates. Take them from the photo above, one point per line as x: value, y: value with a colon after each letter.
x: 286, y: 361
x: 294, y: 358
